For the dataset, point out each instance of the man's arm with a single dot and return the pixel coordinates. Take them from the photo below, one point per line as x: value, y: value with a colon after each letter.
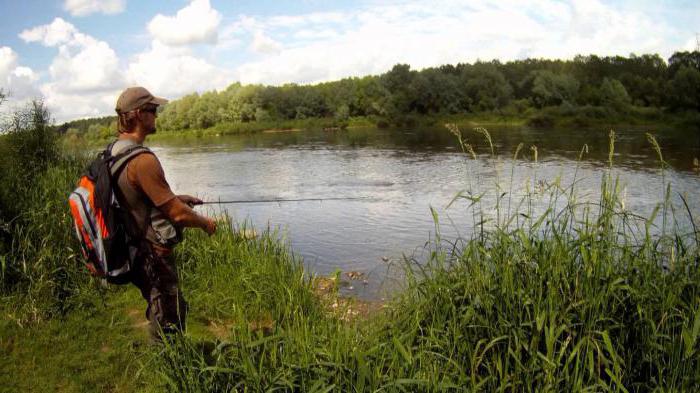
x: 182, y: 215
x: 146, y: 173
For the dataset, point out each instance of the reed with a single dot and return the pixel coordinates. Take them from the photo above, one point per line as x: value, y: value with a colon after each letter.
x: 571, y: 299
x: 550, y: 293
x: 37, y: 249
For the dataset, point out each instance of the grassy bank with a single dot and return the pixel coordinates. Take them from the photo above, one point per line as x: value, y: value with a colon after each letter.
x: 578, y: 297
x: 583, y: 117
x: 550, y: 117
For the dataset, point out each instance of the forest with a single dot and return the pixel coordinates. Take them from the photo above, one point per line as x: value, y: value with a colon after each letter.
x: 584, y: 90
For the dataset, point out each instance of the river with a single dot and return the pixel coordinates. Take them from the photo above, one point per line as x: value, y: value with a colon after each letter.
x: 401, y: 174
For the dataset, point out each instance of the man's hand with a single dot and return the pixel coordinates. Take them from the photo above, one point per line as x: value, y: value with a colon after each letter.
x: 190, y: 200
x: 211, y: 227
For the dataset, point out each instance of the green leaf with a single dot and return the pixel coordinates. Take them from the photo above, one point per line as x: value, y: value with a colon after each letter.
x: 402, y: 350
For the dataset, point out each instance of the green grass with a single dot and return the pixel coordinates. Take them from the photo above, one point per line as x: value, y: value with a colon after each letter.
x: 567, y: 300
x: 87, y: 350
x: 549, y: 117
x: 550, y: 294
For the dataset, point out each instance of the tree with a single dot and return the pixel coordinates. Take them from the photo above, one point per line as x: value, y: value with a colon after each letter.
x: 683, y: 59
x: 644, y: 91
x: 372, y: 96
x: 204, y: 112
x: 244, y: 103
x: 398, y: 83
x: 613, y: 94
x: 342, y: 113
x: 437, y: 90
x: 554, y: 89
x: 485, y: 87
x: 684, y: 90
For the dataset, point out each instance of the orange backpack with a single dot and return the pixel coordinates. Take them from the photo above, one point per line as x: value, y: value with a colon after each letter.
x: 101, y: 223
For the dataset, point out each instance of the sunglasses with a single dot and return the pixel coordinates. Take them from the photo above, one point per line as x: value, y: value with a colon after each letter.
x: 151, y: 110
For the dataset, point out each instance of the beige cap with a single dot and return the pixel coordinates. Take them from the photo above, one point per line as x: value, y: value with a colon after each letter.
x: 136, y: 97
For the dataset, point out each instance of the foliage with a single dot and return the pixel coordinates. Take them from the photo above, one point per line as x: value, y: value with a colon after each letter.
x: 572, y: 299
x: 580, y: 296
x: 35, y: 179
x: 614, y: 95
x: 551, y: 89
x: 684, y: 89
x: 616, y: 84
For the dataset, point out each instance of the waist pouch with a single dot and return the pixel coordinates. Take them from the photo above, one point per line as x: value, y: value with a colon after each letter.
x: 165, y: 233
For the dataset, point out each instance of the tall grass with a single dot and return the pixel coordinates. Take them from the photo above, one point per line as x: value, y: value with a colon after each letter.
x: 37, y: 249
x: 551, y: 293
x: 572, y: 298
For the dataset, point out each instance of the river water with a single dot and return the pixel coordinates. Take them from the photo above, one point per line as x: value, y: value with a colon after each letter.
x: 401, y: 174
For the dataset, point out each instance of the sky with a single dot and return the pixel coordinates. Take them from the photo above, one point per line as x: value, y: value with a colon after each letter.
x: 78, y: 55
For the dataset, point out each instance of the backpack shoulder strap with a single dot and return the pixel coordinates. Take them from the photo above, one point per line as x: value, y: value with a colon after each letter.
x: 121, y: 159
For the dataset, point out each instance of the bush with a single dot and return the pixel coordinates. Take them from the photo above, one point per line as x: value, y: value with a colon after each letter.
x: 38, y: 258
x: 541, y: 120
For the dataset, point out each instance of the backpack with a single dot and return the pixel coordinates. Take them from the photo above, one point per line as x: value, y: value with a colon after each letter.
x: 104, y: 227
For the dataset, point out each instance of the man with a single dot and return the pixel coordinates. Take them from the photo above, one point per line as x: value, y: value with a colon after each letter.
x: 158, y: 215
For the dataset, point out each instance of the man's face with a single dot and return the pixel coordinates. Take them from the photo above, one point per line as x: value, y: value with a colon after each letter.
x: 148, y: 114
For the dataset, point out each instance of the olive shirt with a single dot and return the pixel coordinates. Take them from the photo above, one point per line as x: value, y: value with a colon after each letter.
x: 145, y: 174
x: 144, y: 186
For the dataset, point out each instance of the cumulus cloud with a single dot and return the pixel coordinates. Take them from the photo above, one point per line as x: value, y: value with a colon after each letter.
x: 55, y: 33
x: 83, y: 64
x: 87, y: 7
x: 83, y: 72
x: 86, y: 75
x: 16, y: 80
x: 8, y: 60
x: 370, y: 40
x: 196, y: 23
x: 264, y: 44
x: 66, y: 105
x: 84, y: 78
x: 175, y: 71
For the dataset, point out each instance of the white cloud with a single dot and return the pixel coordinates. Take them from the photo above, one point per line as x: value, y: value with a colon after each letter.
x: 315, y: 34
x: 264, y: 44
x: 67, y: 105
x: 93, y: 67
x: 83, y: 64
x: 86, y: 76
x: 173, y: 71
x: 55, y: 33
x: 307, y: 19
x: 83, y: 72
x: 87, y: 7
x: 8, y: 60
x: 691, y: 44
x: 17, y: 81
x: 196, y: 23
x: 327, y: 46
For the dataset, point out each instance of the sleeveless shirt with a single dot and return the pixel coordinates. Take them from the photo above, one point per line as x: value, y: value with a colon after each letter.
x: 150, y: 222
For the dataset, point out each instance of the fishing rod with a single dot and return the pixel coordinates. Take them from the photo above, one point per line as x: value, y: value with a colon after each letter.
x: 278, y: 200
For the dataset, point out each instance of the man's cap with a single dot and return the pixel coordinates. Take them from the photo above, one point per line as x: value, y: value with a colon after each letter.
x: 135, y: 97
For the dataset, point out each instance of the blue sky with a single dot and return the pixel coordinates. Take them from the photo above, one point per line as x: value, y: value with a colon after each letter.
x: 79, y: 54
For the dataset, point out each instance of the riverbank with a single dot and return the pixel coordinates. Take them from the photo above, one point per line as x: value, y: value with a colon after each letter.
x: 584, y: 117
x: 584, y: 296
x: 552, y: 303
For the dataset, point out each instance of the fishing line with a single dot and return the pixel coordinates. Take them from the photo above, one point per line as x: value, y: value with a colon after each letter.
x: 278, y: 200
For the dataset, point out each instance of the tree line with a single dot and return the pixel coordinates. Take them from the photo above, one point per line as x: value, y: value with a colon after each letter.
x: 588, y: 85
